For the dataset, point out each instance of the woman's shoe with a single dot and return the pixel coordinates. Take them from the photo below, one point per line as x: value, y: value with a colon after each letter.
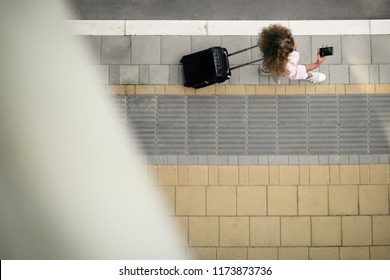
x: 317, y: 77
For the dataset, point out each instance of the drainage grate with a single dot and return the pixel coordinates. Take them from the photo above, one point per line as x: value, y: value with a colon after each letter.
x: 258, y: 125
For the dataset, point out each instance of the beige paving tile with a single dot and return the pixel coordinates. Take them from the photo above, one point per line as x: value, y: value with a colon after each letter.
x: 197, y: 175
x: 258, y: 175
x: 313, y: 200
x: 221, y: 200
x: 182, y: 172
x: 190, y: 200
x: 251, y: 200
x: 234, y: 231
x: 379, y: 174
x: 256, y: 253
x: 334, y: 177
x: 203, y: 231
x: 273, y: 175
x: 239, y: 253
x: 235, y: 89
x: 324, y: 253
x: 265, y: 89
x: 355, y: 253
x: 380, y: 252
x: 201, y: 253
x: 293, y: 253
x: 373, y: 199
x: 213, y: 175
x: 343, y: 200
x: 364, y: 174
x: 349, y: 174
x: 228, y: 175
x: 381, y: 230
x: 289, y: 175
x: 326, y: 231
x: 356, y: 230
x: 319, y: 175
x: 243, y: 175
x: 295, y: 231
x: 265, y: 231
x: 167, y: 175
x: 304, y: 175
x: 282, y: 200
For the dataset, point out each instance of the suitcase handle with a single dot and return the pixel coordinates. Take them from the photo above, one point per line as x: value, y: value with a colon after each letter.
x: 244, y: 64
x: 243, y: 50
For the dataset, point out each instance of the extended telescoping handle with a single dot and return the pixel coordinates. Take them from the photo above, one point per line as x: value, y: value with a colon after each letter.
x: 243, y: 50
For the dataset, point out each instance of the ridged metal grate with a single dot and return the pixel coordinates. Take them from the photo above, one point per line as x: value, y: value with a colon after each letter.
x: 258, y: 125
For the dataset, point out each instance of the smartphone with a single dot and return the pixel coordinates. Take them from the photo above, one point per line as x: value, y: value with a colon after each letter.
x: 325, y: 51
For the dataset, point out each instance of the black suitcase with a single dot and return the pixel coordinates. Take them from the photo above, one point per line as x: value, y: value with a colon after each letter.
x: 209, y: 66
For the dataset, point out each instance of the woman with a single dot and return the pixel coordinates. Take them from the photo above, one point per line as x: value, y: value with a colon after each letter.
x: 280, y: 57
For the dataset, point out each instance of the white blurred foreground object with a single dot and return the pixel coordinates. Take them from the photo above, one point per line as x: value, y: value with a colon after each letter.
x: 70, y: 187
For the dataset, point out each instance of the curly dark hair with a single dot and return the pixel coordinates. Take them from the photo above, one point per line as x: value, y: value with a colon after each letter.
x: 275, y: 43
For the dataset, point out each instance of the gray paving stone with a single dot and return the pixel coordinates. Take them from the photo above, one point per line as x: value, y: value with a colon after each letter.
x: 323, y: 159
x: 247, y: 160
x: 187, y: 160
x: 284, y: 81
x: 374, y: 74
x: 217, y: 160
x: 232, y: 160
x: 145, y: 49
x: 144, y: 74
x: 172, y: 160
x: 293, y: 160
x: 115, y: 50
x: 113, y: 74
x: 308, y: 160
x: 129, y: 74
x: 384, y: 74
x: 384, y: 159
x: 304, y: 49
x: 255, y: 53
x: 359, y: 74
x: 199, y: 43
x: 157, y: 160
x: 173, y: 48
x: 249, y: 75
x: 356, y: 49
x: 325, y: 70
x: 338, y: 159
x: 278, y: 160
x: 264, y: 79
x: 235, y: 78
x: 329, y: 40
x: 338, y: 74
x: 159, y: 74
x: 235, y: 43
x: 353, y: 159
x: 173, y: 74
x: 380, y: 49
x: 203, y: 160
x: 368, y: 159
x: 263, y: 160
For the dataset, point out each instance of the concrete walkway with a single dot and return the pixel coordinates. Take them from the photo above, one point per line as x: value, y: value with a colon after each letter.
x: 250, y: 169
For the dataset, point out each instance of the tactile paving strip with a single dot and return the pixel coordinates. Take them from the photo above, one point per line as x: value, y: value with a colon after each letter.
x: 259, y: 125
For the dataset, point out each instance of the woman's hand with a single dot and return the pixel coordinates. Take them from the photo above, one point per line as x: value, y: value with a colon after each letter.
x: 320, y: 59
